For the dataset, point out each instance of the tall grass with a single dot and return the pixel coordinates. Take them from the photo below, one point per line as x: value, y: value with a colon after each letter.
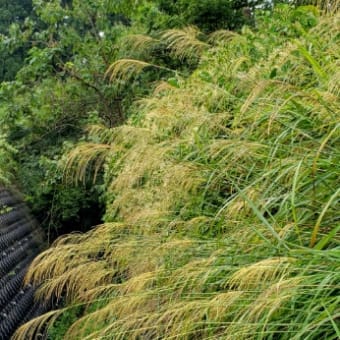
x: 7, y: 164
x: 222, y: 202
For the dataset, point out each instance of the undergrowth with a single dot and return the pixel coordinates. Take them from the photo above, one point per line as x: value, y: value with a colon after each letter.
x: 222, y: 216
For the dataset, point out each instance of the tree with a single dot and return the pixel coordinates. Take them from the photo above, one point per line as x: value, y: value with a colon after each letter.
x: 209, y: 15
x: 13, y: 11
x: 12, y: 15
x: 58, y: 91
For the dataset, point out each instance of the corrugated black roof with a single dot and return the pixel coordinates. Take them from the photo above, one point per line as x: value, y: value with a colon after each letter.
x: 20, y: 241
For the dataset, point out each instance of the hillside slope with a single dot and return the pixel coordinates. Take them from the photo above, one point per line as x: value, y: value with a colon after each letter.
x: 222, y: 192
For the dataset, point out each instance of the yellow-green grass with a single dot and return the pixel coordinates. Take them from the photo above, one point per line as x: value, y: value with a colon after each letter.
x: 222, y: 201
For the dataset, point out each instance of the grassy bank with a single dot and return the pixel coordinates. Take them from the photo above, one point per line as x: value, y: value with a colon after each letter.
x: 222, y: 193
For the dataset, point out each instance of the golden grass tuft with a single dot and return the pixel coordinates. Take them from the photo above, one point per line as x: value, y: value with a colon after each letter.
x: 260, y: 273
x: 185, y: 43
x: 125, y: 69
x: 84, y: 156
x: 139, y: 42
x: 36, y: 327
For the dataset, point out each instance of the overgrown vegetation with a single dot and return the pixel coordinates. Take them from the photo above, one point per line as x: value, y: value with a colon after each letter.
x: 12, y: 53
x: 62, y: 88
x: 215, y: 153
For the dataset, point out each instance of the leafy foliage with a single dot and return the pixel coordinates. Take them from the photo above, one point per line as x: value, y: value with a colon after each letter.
x: 209, y: 15
x: 12, y: 14
x: 62, y: 88
x: 56, y: 93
